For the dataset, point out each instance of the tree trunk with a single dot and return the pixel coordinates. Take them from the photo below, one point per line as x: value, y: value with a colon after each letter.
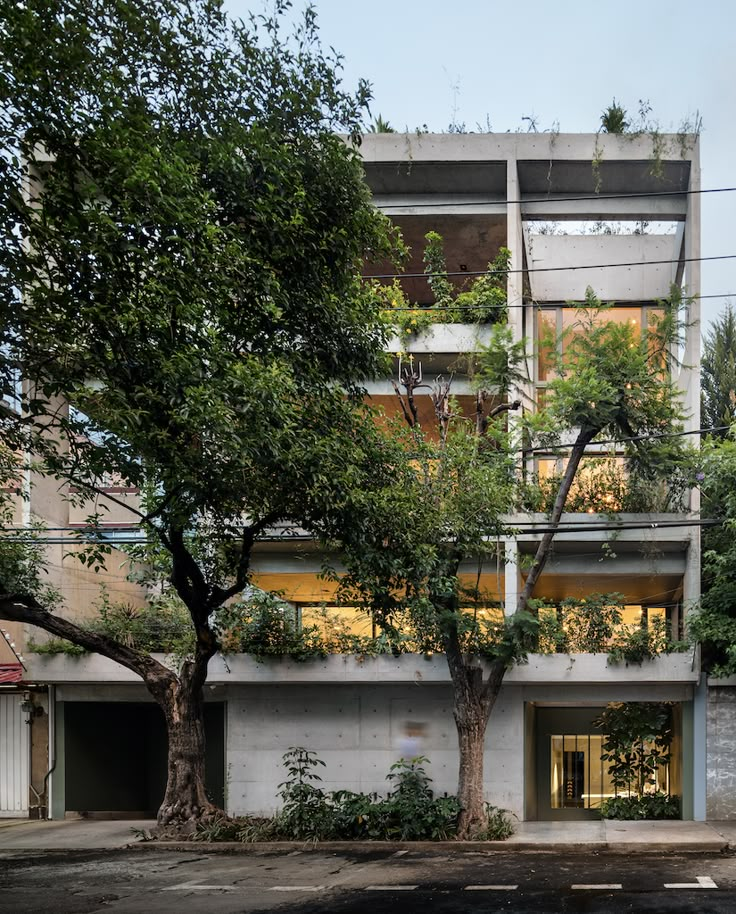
x: 471, y: 722
x: 473, y: 702
x: 185, y: 802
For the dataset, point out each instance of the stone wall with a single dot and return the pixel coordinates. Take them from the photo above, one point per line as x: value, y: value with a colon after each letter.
x: 721, y: 758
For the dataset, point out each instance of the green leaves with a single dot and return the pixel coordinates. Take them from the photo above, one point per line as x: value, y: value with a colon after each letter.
x: 184, y: 237
x: 718, y: 372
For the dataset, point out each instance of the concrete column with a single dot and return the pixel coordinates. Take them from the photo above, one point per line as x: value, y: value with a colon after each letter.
x: 700, y: 754
x: 691, y: 359
x: 515, y: 243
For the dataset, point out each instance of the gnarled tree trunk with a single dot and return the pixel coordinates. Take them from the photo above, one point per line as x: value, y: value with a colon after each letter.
x: 185, y: 803
x: 180, y: 698
x: 474, y: 699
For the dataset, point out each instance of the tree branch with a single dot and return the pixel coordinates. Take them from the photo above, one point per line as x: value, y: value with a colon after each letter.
x: 246, y: 547
x: 26, y: 609
x: 542, y: 554
x: 187, y: 578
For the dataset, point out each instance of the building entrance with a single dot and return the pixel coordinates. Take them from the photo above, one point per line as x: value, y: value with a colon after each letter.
x: 572, y: 779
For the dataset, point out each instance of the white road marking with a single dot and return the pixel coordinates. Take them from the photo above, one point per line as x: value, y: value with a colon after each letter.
x: 400, y: 853
x: 298, y: 888
x: 604, y: 885
x: 490, y: 888
x: 704, y: 882
x: 390, y: 888
x: 196, y: 886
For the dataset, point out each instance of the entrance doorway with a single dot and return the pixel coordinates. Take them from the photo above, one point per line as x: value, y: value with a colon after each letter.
x: 572, y: 779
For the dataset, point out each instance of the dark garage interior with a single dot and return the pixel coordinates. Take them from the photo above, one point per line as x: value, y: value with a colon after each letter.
x: 115, y: 756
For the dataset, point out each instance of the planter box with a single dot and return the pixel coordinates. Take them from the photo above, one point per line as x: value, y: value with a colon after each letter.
x: 443, y: 338
x: 242, y: 668
x: 558, y: 669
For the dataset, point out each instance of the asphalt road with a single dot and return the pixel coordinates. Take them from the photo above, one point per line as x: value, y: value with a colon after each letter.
x: 317, y: 882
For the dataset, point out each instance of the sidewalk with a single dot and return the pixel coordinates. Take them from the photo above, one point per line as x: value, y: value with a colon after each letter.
x: 601, y: 836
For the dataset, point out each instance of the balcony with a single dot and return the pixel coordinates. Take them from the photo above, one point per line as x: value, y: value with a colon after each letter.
x: 237, y: 669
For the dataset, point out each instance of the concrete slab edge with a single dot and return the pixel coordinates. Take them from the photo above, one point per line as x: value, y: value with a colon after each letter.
x: 365, y: 847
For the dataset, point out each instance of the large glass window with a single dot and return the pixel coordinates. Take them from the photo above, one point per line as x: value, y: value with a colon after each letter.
x: 555, y: 325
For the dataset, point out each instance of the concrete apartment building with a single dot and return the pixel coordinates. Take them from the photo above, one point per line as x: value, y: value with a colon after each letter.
x: 548, y: 198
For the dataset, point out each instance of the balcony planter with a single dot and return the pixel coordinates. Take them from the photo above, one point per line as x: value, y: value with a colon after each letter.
x: 443, y: 338
x: 337, y: 668
x: 559, y: 669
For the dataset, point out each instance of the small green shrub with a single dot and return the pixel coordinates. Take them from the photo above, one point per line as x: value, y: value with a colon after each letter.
x: 219, y: 828
x: 55, y: 646
x: 635, y: 645
x: 498, y: 826
x: 409, y: 812
x: 648, y: 806
x: 306, y: 813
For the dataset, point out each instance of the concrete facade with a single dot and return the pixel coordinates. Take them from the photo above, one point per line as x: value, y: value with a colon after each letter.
x: 482, y: 192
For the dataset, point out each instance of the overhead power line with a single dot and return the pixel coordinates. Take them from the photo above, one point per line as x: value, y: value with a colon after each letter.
x: 570, y: 303
x: 566, y: 199
x: 588, y: 266
x: 651, y: 437
x: 513, y: 529
x: 583, y: 527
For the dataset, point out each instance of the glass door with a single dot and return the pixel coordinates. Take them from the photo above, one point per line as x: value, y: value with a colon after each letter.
x: 572, y: 780
x: 578, y: 776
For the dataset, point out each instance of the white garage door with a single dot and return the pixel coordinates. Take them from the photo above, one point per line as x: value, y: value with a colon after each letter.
x: 14, y: 761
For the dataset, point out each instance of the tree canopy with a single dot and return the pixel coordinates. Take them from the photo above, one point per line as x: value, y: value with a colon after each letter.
x: 183, y: 237
x: 718, y: 373
x: 611, y: 379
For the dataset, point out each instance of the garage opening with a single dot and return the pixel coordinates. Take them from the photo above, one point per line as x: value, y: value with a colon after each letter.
x: 115, y: 755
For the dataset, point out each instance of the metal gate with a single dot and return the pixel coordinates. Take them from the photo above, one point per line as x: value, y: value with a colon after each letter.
x: 14, y: 757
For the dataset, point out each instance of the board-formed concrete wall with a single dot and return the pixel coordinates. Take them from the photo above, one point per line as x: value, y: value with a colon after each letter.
x: 721, y: 740
x: 356, y: 730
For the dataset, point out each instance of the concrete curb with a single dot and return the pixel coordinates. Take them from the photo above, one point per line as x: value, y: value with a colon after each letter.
x: 360, y: 848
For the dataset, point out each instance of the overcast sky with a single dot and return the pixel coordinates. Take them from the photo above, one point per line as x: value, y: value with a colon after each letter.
x: 559, y: 62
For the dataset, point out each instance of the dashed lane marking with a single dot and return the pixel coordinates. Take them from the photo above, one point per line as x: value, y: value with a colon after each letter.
x: 490, y: 888
x: 703, y: 882
x: 194, y: 886
x: 400, y: 853
x: 606, y: 886
x: 298, y: 888
x: 390, y: 888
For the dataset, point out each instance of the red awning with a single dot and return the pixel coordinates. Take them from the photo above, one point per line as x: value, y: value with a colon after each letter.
x: 11, y: 672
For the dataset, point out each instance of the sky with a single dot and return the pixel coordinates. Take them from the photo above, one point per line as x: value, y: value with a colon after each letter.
x: 559, y: 62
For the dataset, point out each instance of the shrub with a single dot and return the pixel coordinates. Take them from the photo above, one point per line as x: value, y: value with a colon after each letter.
x: 648, y: 806
x: 409, y: 812
x: 498, y: 826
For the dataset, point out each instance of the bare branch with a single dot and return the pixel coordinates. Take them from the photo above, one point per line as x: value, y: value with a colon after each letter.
x: 409, y: 420
x: 542, y: 554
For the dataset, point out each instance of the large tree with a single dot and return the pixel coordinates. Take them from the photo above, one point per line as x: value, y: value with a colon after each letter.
x: 612, y: 382
x: 718, y: 373
x: 183, y: 235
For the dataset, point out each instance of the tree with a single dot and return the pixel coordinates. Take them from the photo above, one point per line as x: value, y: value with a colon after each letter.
x: 713, y: 621
x: 718, y: 373
x: 611, y: 380
x: 183, y: 237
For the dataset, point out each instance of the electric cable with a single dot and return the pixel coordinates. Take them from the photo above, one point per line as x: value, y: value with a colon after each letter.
x: 567, y: 199
x: 589, y: 266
